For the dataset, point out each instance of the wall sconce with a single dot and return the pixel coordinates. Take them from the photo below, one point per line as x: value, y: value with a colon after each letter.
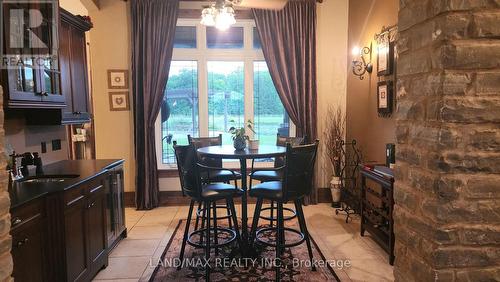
x: 360, y: 67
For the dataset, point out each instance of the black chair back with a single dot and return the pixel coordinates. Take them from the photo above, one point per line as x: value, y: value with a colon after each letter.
x: 299, y: 170
x: 200, y: 142
x: 188, y: 170
x: 282, y: 141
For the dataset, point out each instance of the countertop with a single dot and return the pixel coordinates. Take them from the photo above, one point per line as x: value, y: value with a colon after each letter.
x: 23, y: 192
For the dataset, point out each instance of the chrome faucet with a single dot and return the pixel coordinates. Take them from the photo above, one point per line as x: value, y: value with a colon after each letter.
x: 15, y: 170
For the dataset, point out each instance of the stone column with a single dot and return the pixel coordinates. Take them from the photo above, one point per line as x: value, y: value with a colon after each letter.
x: 5, y: 239
x: 447, y: 194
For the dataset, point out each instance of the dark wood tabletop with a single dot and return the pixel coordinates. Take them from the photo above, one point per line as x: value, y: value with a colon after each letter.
x: 228, y: 152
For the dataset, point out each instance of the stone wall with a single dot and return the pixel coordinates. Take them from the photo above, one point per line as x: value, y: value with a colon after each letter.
x: 5, y: 239
x: 447, y: 219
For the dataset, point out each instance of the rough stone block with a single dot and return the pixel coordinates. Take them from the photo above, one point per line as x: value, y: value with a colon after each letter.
x: 447, y: 257
x: 488, y: 83
x: 471, y: 110
x: 487, y: 235
x: 469, y: 55
x: 485, y: 24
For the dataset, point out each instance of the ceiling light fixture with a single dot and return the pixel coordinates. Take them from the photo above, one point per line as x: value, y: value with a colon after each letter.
x: 220, y: 15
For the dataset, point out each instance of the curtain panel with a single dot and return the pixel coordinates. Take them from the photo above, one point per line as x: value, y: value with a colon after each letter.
x: 153, y: 29
x: 288, y: 39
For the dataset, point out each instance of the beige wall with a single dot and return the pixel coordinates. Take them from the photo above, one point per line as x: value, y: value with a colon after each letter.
x: 109, y: 49
x: 73, y: 6
x: 363, y: 123
x: 331, y: 72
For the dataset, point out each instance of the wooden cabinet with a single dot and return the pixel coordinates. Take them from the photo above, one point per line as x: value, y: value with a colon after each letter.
x: 28, y: 242
x: 377, y: 205
x: 73, y: 61
x: 34, y: 80
x: 85, y: 230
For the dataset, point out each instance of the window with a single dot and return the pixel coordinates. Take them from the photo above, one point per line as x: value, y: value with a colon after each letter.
x: 179, y: 112
x: 217, y: 79
x: 225, y: 98
x: 229, y: 39
x: 270, y: 117
x: 185, y: 37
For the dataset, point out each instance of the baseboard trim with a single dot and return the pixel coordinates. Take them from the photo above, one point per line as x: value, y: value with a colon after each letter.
x: 175, y: 198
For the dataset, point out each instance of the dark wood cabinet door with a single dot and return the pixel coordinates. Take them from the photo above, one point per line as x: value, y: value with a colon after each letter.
x: 27, y: 251
x: 73, y: 60
x: 96, y: 215
x: 76, y: 234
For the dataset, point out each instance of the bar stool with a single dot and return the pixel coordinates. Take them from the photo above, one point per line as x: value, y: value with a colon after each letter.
x: 275, y: 174
x: 206, y: 193
x: 214, y: 176
x: 296, y: 184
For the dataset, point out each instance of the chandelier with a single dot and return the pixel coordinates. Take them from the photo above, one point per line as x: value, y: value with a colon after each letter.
x: 219, y: 14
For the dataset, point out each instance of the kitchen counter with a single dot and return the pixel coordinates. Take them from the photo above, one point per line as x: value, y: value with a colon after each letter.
x: 23, y: 192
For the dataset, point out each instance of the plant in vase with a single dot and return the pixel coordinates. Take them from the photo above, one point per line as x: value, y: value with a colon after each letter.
x: 239, y: 135
x: 334, y: 137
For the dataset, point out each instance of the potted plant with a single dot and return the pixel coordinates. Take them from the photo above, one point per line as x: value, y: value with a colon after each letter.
x: 239, y: 135
x: 334, y: 141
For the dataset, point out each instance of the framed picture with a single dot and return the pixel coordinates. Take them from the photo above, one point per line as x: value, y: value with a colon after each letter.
x: 384, y: 98
x: 119, y: 101
x: 385, y: 58
x: 118, y: 79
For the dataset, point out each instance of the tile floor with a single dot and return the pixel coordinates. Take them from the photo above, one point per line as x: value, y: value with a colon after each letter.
x: 150, y: 231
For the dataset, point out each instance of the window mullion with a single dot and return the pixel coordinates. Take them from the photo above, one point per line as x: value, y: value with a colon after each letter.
x: 249, y: 109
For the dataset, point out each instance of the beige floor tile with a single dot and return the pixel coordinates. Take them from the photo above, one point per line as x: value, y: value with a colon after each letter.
x: 156, y: 219
x: 370, y: 270
x: 147, y: 232
x: 129, y: 248
x: 124, y: 267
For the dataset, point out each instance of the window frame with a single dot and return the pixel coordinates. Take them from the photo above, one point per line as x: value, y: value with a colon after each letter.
x: 202, y: 54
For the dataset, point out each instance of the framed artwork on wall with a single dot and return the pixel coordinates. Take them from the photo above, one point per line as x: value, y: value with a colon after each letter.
x: 385, y: 99
x: 119, y: 101
x: 385, y: 57
x: 118, y: 79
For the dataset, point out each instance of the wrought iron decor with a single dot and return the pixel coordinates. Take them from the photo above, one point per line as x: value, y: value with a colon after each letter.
x: 361, y: 66
x: 351, y: 195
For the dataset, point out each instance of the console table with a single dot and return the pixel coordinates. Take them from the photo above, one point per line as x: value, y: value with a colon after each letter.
x: 377, y: 204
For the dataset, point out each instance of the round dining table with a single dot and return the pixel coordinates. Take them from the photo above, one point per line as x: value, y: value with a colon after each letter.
x: 229, y: 152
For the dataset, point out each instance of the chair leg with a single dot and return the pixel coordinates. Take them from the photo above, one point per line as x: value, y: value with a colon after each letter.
x: 216, y: 240
x: 255, y: 222
x: 272, y: 212
x: 229, y: 221
x: 207, y: 245
x: 279, y: 240
x: 197, y: 217
x: 303, y: 228
x: 203, y: 220
x: 186, y: 233
x: 235, y: 219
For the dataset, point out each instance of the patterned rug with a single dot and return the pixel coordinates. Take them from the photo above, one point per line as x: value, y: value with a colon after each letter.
x: 229, y: 266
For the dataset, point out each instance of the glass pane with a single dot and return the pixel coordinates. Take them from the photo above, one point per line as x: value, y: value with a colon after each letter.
x: 256, y: 39
x: 225, y: 98
x: 270, y: 117
x: 179, y: 113
x: 228, y: 39
x: 185, y: 37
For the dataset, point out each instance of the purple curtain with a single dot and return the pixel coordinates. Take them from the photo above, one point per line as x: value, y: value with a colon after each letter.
x: 153, y: 29
x: 288, y: 39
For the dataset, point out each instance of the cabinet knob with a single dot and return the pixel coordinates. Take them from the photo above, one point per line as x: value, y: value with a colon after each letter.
x: 22, y: 242
x: 16, y: 221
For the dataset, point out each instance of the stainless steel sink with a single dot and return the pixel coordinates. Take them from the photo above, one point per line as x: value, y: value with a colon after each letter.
x: 48, y: 178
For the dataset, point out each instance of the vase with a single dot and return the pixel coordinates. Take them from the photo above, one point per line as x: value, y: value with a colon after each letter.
x: 253, y: 144
x: 239, y: 143
x: 335, y: 189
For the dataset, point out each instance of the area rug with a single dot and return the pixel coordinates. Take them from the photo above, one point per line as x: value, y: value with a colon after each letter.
x: 229, y: 266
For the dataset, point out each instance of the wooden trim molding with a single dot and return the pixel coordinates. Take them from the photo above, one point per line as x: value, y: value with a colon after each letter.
x: 196, y: 14
x: 168, y: 173
x: 175, y: 198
